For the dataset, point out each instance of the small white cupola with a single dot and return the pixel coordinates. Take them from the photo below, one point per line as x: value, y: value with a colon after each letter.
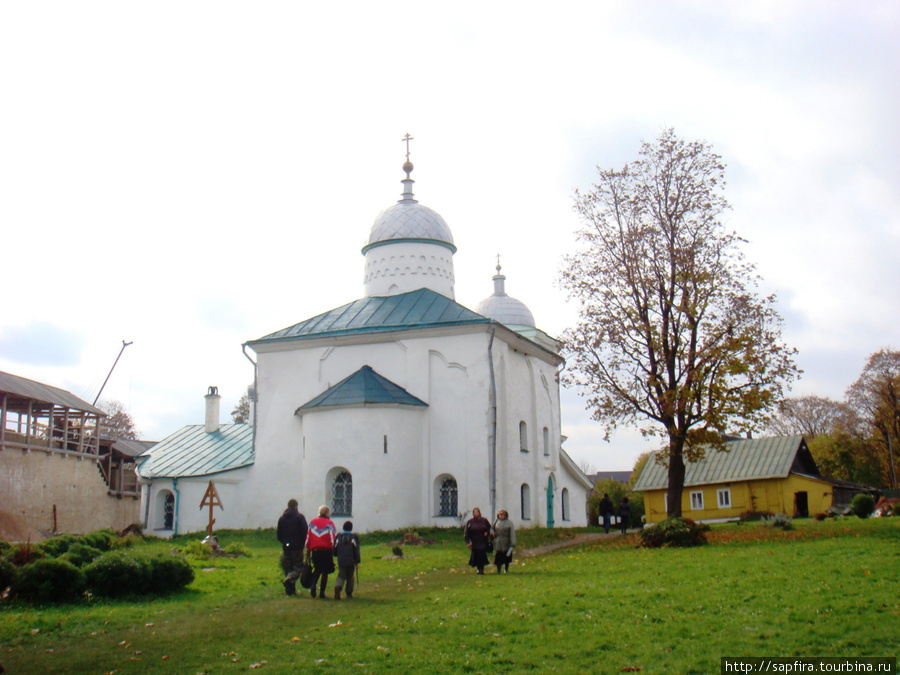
x: 504, y: 309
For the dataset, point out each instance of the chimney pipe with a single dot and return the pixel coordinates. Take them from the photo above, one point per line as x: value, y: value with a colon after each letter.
x: 212, y: 410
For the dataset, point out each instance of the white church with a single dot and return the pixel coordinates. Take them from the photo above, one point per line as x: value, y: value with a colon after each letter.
x: 400, y: 409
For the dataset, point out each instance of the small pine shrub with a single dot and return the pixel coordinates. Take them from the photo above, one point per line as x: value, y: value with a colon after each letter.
x: 81, y: 554
x: 862, y: 505
x: 25, y: 554
x: 397, y: 551
x: 169, y: 573
x: 237, y: 548
x: 117, y: 574
x: 5, y: 549
x: 780, y: 521
x: 197, y: 549
x: 751, y: 516
x: 50, y: 580
x: 8, y: 574
x: 56, y: 546
x: 104, y: 540
x: 678, y: 532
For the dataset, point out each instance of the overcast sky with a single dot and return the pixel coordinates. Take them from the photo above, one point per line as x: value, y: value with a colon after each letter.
x: 193, y: 175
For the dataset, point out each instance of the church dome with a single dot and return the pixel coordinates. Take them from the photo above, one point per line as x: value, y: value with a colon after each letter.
x: 408, y: 220
x: 504, y: 309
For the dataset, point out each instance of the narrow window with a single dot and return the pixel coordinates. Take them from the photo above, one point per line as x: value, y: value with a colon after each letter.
x: 449, y: 498
x: 547, y: 443
x: 169, y: 512
x: 385, y: 444
x: 523, y: 436
x: 526, y: 501
x: 724, y: 498
x: 342, y: 495
x: 696, y: 501
x: 565, y: 503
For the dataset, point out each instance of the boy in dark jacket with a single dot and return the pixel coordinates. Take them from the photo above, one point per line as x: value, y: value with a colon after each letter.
x: 346, y: 550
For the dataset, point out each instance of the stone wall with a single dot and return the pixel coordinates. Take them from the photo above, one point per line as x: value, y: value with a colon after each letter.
x: 32, y: 483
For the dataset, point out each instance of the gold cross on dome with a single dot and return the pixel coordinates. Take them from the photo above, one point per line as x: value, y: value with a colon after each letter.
x: 407, y: 139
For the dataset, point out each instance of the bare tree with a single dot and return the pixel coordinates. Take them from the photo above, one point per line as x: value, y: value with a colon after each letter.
x: 671, y: 335
x: 875, y: 396
x: 808, y: 416
x: 241, y: 412
x: 118, y: 423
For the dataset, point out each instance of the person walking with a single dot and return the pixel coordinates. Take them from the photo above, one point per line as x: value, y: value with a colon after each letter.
x: 346, y: 550
x: 504, y: 540
x: 291, y: 532
x: 477, y: 535
x: 624, y: 513
x: 606, y: 511
x: 320, y: 543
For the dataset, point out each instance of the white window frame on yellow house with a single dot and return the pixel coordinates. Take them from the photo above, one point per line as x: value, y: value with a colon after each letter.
x: 696, y: 500
x: 723, y: 496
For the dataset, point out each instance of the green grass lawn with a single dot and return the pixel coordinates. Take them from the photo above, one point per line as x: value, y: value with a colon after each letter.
x: 826, y: 589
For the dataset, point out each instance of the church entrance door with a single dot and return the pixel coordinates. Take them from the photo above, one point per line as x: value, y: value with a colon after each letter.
x: 550, y: 502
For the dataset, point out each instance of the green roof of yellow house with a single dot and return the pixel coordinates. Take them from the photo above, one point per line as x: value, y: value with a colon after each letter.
x: 743, y: 459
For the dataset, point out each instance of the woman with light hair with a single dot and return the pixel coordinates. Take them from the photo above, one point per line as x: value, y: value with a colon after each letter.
x: 320, y: 542
x: 504, y: 540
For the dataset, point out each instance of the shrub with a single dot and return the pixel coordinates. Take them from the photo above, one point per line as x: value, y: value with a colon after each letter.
x: 679, y: 532
x: 25, y: 553
x: 81, y: 554
x: 751, y: 516
x: 237, y: 548
x: 56, y: 546
x: 780, y: 520
x: 169, y: 573
x: 197, y: 549
x: 50, y: 580
x: 116, y: 574
x: 8, y: 574
x: 862, y: 505
x: 821, y: 516
x: 104, y: 540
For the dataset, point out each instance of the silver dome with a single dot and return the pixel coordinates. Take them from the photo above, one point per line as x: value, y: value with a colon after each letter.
x: 408, y: 220
x: 504, y: 309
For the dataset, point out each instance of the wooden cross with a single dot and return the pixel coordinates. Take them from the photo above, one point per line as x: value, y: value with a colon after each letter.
x: 211, y: 499
x: 407, y: 139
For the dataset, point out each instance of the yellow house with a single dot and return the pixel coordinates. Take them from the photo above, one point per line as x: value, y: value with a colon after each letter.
x: 777, y: 475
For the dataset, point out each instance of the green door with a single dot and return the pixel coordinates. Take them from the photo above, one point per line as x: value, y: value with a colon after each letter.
x: 550, y: 502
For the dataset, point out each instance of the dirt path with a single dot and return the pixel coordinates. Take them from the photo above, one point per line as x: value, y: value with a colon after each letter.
x: 580, y: 539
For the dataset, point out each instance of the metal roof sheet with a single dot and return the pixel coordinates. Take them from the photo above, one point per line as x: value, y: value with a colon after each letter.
x: 416, y: 309
x: 20, y: 386
x: 191, y: 451
x: 744, y: 459
x: 364, y: 387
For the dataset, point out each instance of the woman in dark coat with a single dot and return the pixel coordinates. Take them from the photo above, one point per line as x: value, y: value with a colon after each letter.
x: 624, y: 513
x: 477, y: 535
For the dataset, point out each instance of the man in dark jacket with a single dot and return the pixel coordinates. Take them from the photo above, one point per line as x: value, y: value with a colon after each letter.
x: 606, y: 509
x: 292, y: 535
x: 346, y: 550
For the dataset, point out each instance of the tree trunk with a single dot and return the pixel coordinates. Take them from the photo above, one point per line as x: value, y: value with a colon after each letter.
x: 676, y: 483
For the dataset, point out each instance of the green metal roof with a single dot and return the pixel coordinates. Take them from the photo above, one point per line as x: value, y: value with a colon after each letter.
x: 364, y: 387
x: 192, y: 451
x: 744, y: 459
x: 416, y: 309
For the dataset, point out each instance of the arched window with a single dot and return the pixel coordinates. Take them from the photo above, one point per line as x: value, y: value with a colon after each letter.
x: 565, y: 503
x: 448, y: 498
x: 526, y: 502
x: 169, y: 511
x: 342, y: 494
x: 546, y: 442
x: 523, y: 436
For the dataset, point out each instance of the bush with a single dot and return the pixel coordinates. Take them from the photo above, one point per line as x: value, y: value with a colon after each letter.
x: 237, y: 548
x: 780, y: 520
x: 50, y: 580
x: 81, y: 554
x: 197, y: 549
x: 104, y: 540
x: 169, y: 573
x: 751, y: 516
x: 679, y: 532
x: 56, y: 546
x: 862, y: 505
x: 8, y: 574
x: 116, y: 574
x: 25, y: 553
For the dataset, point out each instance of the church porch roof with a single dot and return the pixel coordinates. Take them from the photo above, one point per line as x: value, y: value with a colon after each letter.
x: 365, y: 387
